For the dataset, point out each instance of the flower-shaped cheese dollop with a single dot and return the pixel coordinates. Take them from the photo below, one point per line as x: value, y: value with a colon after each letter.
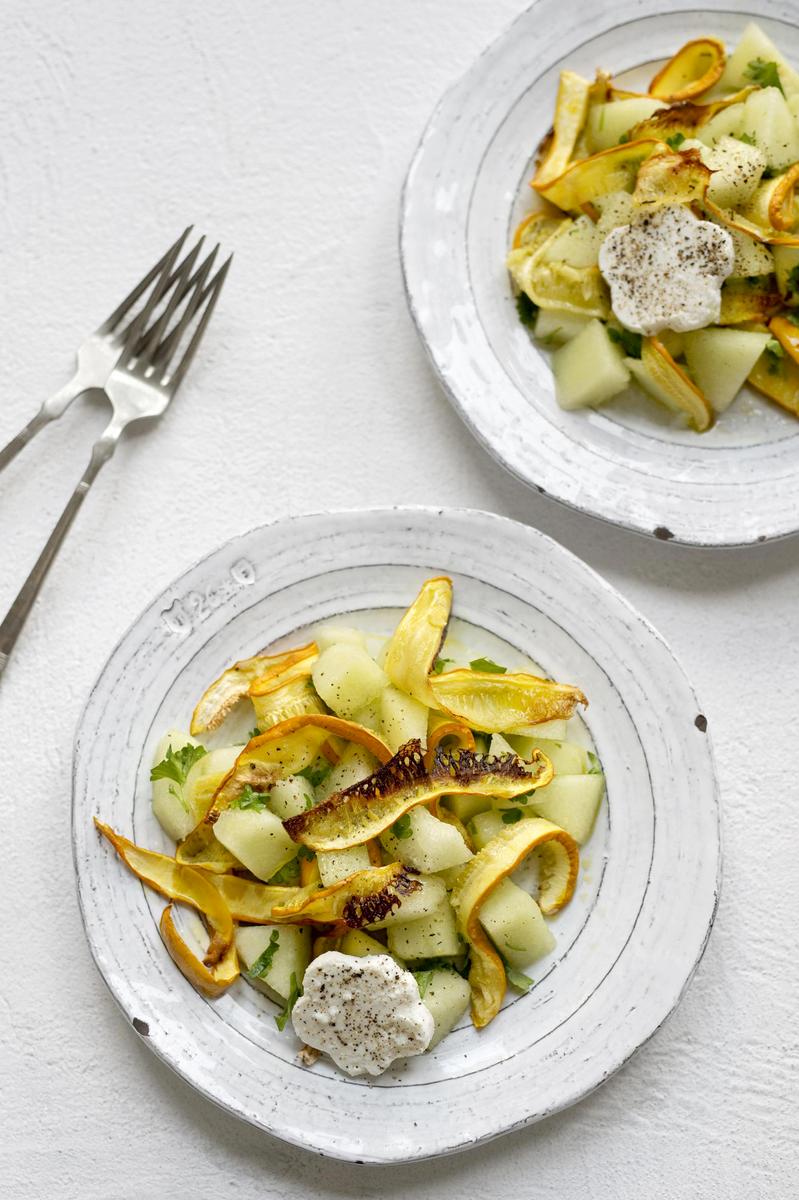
x: 363, y: 1012
x: 665, y: 270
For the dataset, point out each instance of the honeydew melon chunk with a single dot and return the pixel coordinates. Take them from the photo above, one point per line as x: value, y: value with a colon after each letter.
x: 465, y: 807
x: 347, y: 678
x: 485, y: 826
x: 498, y: 745
x: 720, y: 361
x: 737, y: 170
x: 556, y: 730
x: 751, y: 257
x: 728, y: 122
x: 291, y: 957
x: 616, y: 208
x: 755, y: 44
x: 338, y: 864
x: 433, y: 936
x: 451, y: 874
x: 567, y: 758
x: 589, y: 370
x: 431, y: 845
x: 447, y: 997
x: 360, y: 944
x: 773, y: 127
x: 786, y: 259
x: 572, y: 802
x: 256, y: 838
x: 417, y: 904
x: 608, y: 122
x: 289, y: 797
x: 576, y: 243
x: 335, y: 635
x: 513, y: 921
x: 355, y: 764
x: 401, y: 718
x: 557, y: 326
x: 171, y: 807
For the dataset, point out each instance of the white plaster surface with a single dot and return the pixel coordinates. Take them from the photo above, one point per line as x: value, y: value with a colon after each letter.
x: 285, y: 129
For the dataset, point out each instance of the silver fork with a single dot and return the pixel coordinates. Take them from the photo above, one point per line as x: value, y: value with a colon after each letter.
x: 140, y: 385
x: 99, y: 353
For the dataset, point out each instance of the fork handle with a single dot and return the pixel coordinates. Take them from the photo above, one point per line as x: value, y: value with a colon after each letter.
x: 16, y: 616
x: 12, y: 449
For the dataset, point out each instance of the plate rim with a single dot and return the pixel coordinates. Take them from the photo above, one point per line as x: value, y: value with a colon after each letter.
x: 625, y: 10
x: 423, y: 513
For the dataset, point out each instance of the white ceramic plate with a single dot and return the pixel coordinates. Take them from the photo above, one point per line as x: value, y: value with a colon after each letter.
x: 627, y: 944
x: 627, y: 462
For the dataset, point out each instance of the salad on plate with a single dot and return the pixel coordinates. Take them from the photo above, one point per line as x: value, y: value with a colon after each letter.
x: 664, y: 247
x: 388, y: 847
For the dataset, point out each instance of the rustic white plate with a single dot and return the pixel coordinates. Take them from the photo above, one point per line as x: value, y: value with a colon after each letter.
x: 627, y: 944
x: 628, y: 462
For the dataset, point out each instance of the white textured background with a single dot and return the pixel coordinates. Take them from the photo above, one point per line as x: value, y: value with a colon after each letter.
x: 284, y: 129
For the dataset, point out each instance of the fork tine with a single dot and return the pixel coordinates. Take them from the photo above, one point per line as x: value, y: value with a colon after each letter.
x: 212, y: 293
x: 180, y: 283
x: 131, y: 335
x: 197, y: 284
x: 110, y: 324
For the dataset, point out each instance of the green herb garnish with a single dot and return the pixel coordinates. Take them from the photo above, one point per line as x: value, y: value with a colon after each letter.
x: 423, y: 981
x: 440, y: 663
x: 793, y: 317
x: 254, y: 733
x: 295, y: 991
x: 625, y: 137
x: 248, y: 798
x: 630, y: 342
x: 594, y: 765
x: 262, y: 965
x: 315, y: 775
x: 774, y: 347
x: 764, y: 73
x: 289, y: 874
x: 402, y: 826
x: 526, y: 309
x: 487, y: 666
x: 176, y: 767
x: 306, y: 853
x: 520, y: 983
x: 676, y: 140
x: 511, y: 815
x: 793, y: 279
x: 748, y: 138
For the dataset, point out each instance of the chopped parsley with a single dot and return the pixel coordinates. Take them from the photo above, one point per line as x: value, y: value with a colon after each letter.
x: 748, y: 138
x: 402, y: 827
x: 511, y: 815
x: 774, y: 347
x: 249, y: 798
x: 764, y: 73
x: 440, y: 663
x: 315, y: 775
x: 630, y: 342
x: 423, y: 981
x: 176, y: 767
x: 526, y: 309
x: 793, y: 279
x: 594, y: 765
x: 254, y: 733
x: 625, y: 137
x: 306, y: 853
x: 519, y: 982
x: 295, y: 991
x: 263, y: 963
x: 676, y: 140
x: 487, y: 666
x: 289, y: 874
x: 793, y: 317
